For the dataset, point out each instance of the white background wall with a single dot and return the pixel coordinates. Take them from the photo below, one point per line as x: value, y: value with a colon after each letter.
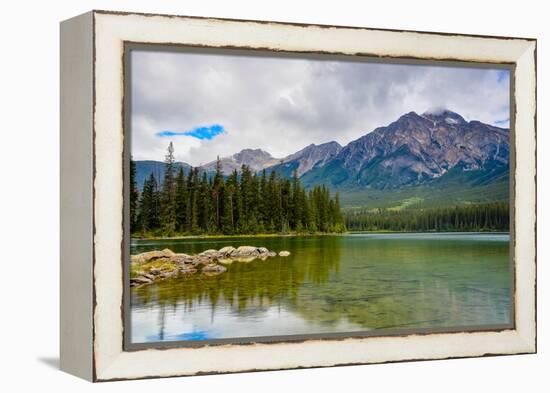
x: 29, y: 195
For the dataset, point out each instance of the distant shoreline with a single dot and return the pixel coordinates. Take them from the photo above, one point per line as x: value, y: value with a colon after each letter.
x: 269, y: 235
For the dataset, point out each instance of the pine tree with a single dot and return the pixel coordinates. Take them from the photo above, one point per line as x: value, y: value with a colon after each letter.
x: 168, y: 194
x: 182, y: 201
x: 134, y: 197
x: 204, y: 205
x: 148, y: 217
x: 217, y: 195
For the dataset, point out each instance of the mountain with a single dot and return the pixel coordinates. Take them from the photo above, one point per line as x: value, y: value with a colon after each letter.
x: 417, y: 149
x: 312, y: 156
x: 145, y: 168
x: 435, y: 158
x: 256, y: 159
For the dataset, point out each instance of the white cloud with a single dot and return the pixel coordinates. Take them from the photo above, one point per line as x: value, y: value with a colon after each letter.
x: 281, y: 104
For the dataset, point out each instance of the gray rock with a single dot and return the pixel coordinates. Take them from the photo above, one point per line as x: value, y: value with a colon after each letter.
x: 225, y: 251
x: 284, y: 253
x: 209, y: 252
x: 151, y: 255
x: 141, y: 280
x: 180, y: 258
x: 245, y: 251
x: 187, y: 270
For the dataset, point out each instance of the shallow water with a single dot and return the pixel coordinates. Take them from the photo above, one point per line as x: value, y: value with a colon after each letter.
x: 330, y: 284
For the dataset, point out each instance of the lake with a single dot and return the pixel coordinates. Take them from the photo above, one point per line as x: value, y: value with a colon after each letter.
x: 330, y: 284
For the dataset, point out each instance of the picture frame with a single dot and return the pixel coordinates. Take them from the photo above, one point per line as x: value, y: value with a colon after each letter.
x: 94, y: 173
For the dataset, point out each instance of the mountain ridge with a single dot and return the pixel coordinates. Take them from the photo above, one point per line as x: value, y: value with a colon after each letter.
x: 416, y: 150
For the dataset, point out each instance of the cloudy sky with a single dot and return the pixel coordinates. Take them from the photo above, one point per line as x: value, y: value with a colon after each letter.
x: 219, y: 104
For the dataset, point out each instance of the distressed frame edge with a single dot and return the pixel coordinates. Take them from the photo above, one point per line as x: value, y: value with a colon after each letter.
x: 527, y: 339
x: 76, y: 196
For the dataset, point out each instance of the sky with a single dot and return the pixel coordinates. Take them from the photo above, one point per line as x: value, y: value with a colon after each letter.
x: 213, y: 105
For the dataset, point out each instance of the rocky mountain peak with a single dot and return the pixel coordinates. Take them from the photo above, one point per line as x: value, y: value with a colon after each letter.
x: 256, y: 159
x: 441, y: 114
x: 417, y: 149
x: 312, y: 156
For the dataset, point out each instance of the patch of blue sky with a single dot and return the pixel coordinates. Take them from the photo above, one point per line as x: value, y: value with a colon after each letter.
x: 503, y: 122
x: 201, y: 132
x: 191, y: 336
x: 503, y: 75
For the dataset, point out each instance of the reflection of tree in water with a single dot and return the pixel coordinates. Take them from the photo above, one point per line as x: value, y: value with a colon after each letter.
x: 416, y: 285
x: 381, y: 284
x: 257, y: 283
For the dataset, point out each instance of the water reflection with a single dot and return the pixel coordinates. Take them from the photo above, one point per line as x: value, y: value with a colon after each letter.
x: 330, y: 284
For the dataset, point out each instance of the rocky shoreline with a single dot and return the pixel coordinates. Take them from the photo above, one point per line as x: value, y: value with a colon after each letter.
x: 152, y: 266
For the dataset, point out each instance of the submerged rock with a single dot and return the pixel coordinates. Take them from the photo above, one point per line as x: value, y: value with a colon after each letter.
x: 214, y: 268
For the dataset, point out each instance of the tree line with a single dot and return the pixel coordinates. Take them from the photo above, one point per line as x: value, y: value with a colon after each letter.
x: 196, y: 203
x: 480, y: 217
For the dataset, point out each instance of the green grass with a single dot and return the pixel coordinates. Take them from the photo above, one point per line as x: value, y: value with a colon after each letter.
x: 162, y: 264
x: 436, y: 195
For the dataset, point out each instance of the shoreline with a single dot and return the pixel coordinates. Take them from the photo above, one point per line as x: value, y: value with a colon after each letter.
x: 272, y: 235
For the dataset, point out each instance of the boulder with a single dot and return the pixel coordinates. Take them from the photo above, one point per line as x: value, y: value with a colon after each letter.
x: 171, y: 273
x: 202, y: 260
x: 209, y: 252
x: 187, y: 270
x: 181, y: 259
x: 263, y: 250
x: 155, y: 271
x: 245, y: 251
x: 284, y: 253
x: 141, y: 280
x: 151, y: 255
x: 168, y: 253
x: 225, y: 251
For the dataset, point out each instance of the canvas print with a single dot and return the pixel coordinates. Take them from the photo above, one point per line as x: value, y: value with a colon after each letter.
x: 274, y: 197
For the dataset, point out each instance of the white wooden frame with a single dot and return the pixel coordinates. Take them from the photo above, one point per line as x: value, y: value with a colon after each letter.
x: 92, y: 145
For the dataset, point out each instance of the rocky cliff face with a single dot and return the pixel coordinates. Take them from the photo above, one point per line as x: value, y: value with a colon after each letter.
x: 416, y: 149
x: 313, y: 156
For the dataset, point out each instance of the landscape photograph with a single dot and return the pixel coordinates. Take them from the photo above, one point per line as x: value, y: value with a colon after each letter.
x: 274, y: 197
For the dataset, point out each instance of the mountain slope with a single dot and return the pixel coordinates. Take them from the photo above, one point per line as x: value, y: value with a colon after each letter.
x: 309, y: 157
x: 436, y: 159
x: 414, y: 150
x: 146, y: 167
